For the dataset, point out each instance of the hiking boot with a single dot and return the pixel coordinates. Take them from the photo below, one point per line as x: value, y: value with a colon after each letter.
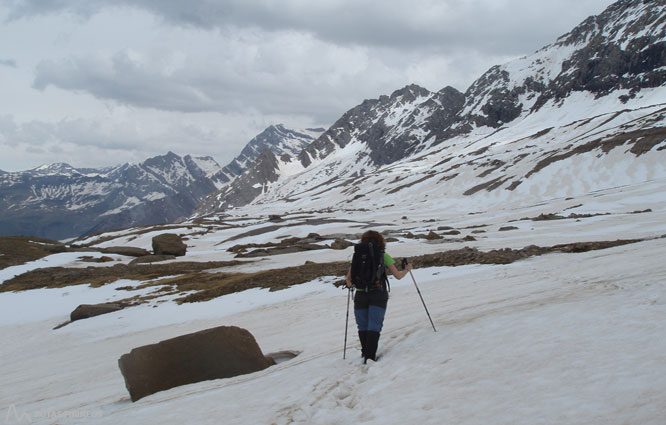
x: 363, y: 336
x: 371, y: 343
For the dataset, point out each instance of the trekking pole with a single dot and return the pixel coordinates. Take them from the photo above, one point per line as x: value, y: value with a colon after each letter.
x: 344, y: 352
x: 404, y: 263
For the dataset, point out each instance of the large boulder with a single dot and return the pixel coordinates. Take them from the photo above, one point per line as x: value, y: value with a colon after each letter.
x: 215, y: 353
x: 85, y: 311
x: 341, y: 244
x: 169, y: 244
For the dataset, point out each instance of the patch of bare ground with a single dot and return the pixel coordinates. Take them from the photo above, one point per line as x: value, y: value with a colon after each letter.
x: 489, y: 186
x: 405, y: 186
x: 59, y: 277
x: 17, y: 250
x: 195, y: 284
x: 641, y: 141
x: 468, y: 255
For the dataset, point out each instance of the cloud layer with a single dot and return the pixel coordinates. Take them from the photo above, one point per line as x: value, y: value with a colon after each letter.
x: 128, y: 76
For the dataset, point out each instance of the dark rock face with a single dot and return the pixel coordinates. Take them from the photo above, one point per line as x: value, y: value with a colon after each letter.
x: 85, y: 311
x: 169, y: 244
x: 215, y: 353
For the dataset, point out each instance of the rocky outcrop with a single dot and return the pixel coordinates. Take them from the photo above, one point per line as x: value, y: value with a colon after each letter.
x: 215, y: 353
x: 169, y: 244
x: 85, y: 311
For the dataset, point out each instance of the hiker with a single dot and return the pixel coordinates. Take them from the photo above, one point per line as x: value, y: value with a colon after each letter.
x: 370, y: 301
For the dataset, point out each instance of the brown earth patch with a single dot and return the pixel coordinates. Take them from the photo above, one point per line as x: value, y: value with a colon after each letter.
x: 489, y: 186
x: 641, y: 141
x: 192, y: 278
x: 17, y: 250
x: 59, y: 277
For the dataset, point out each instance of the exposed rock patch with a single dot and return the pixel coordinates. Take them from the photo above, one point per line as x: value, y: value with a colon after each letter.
x: 85, y: 311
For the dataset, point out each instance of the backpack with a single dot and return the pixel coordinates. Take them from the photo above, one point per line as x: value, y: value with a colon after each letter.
x: 368, y: 271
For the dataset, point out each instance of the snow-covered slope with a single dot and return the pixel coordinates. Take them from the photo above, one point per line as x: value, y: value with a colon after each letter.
x: 570, y: 338
x: 586, y: 110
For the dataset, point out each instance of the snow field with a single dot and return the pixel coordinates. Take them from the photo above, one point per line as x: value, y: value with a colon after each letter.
x: 563, y: 338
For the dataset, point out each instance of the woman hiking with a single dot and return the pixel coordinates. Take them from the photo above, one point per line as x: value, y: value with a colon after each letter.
x: 371, y: 297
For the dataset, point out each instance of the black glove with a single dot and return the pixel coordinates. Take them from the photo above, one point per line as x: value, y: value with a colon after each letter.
x: 404, y: 263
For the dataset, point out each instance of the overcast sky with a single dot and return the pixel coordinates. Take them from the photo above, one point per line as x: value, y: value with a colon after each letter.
x: 96, y: 83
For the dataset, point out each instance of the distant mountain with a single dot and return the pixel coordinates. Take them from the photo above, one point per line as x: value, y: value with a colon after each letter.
x: 58, y: 201
x: 564, y: 112
x: 276, y: 138
x: 257, y: 166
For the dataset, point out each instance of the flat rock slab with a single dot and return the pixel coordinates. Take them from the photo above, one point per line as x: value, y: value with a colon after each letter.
x: 215, y: 353
x: 129, y: 251
x: 85, y: 311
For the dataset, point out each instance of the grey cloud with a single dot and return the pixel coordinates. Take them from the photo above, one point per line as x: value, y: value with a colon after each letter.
x: 200, y: 87
x: 508, y: 27
x: 8, y: 62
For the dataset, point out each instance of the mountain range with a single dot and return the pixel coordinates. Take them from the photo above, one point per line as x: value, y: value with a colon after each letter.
x: 58, y: 201
x: 584, y: 113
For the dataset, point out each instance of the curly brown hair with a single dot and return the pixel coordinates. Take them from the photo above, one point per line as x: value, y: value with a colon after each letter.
x: 374, y: 237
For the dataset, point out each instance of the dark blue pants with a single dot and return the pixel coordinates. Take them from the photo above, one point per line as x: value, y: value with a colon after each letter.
x: 370, y: 309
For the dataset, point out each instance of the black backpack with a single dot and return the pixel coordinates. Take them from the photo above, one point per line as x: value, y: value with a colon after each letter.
x: 368, y: 271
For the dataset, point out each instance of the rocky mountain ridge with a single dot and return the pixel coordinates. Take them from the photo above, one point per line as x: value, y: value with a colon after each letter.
x: 579, y: 90
x: 59, y: 201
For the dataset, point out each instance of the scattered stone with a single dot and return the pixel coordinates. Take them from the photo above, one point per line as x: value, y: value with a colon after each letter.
x: 128, y: 251
x: 643, y: 211
x: 478, y: 231
x: 445, y: 228
x: 506, y: 228
x: 469, y: 238
x: 169, y: 244
x: 89, y: 259
x: 216, y: 353
x: 432, y: 236
x: 275, y: 218
x: 278, y: 250
x: 451, y: 233
x: 85, y: 311
x: 545, y: 217
x: 341, y: 244
x: 151, y: 259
